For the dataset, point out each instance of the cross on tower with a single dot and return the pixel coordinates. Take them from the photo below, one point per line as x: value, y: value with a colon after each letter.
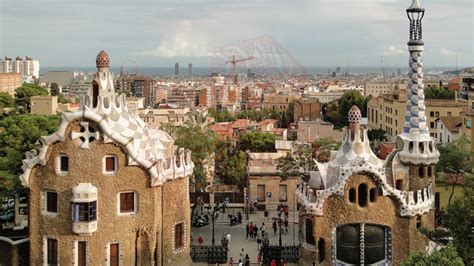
x: 86, y: 135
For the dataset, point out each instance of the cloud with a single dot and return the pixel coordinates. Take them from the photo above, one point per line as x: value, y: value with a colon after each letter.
x: 393, y: 50
x: 446, y: 52
x: 180, y: 41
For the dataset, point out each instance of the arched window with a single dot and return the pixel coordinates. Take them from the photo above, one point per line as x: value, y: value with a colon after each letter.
x: 362, y: 195
x: 415, y: 196
x: 421, y: 147
x: 309, y: 232
x: 430, y: 171
x: 410, y: 146
x: 373, y: 194
x: 418, y: 221
x: 352, y: 195
x: 421, y: 171
x: 321, y: 250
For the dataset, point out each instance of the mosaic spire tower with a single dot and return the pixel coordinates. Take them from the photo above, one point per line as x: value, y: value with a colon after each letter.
x: 415, y: 143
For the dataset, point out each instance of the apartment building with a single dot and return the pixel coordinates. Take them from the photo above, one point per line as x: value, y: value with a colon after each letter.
x: 388, y: 112
x: 9, y: 82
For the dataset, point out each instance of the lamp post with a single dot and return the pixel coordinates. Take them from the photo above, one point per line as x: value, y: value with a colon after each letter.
x: 214, y: 210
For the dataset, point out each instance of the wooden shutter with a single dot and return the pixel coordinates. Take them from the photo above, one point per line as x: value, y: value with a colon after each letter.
x: 127, y: 202
x: 81, y: 253
x: 178, y: 235
x: 52, y: 252
x: 52, y: 201
x: 114, y: 254
x: 110, y: 164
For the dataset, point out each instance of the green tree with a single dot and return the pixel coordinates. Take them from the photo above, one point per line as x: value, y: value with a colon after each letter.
x: 23, y: 95
x: 459, y: 218
x: 377, y: 134
x: 54, y: 89
x: 6, y: 100
x: 350, y: 99
x: 63, y: 99
x: 298, y: 164
x: 435, y: 92
x: 257, y: 141
x: 20, y: 134
x: 444, y: 256
x: 322, y: 148
x: 202, y: 143
x: 231, y: 164
x: 454, y: 161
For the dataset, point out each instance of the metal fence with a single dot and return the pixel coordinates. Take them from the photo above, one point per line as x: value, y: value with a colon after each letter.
x: 289, y: 254
x: 209, y: 254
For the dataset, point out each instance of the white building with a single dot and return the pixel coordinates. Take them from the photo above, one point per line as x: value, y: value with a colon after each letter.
x: 28, y: 68
x: 448, y: 128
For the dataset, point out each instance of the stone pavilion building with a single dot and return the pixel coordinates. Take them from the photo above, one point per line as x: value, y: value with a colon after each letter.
x: 358, y: 209
x: 106, y: 189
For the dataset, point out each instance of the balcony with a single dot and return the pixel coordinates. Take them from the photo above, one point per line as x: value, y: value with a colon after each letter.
x: 84, y: 228
x: 84, y: 209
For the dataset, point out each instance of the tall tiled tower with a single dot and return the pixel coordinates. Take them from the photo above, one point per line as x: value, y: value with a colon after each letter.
x: 417, y: 148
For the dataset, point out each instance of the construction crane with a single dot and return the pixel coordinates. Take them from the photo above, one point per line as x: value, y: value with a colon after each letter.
x: 234, y: 62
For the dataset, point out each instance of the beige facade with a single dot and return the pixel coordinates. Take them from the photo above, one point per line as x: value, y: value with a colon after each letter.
x: 9, y: 82
x: 309, y: 131
x: 44, y: 105
x: 387, y: 112
x: 376, y: 89
x: 277, y: 102
x: 266, y: 187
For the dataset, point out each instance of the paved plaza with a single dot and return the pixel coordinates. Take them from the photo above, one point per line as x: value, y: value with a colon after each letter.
x: 238, y: 233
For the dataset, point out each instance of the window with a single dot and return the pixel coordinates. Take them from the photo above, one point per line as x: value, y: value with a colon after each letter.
x: 437, y: 114
x: 432, y: 125
x: 178, y: 235
x: 321, y: 250
x: 374, y: 243
x: 114, y: 254
x: 399, y: 184
x: 352, y: 195
x: 127, y: 202
x: 421, y: 171
x: 84, y: 211
x: 260, y: 193
x: 430, y: 171
x: 450, y: 114
x: 81, y: 253
x: 52, y: 251
x: 362, y: 194
x: 283, y: 195
x: 431, y: 114
x: 418, y: 221
x: 63, y: 163
x: 373, y: 194
x: 110, y: 164
x: 309, y: 232
x: 51, y: 202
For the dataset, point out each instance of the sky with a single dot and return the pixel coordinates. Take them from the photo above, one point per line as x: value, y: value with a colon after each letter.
x: 161, y: 32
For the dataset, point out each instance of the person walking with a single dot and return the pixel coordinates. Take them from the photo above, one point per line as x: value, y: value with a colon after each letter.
x: 273, y: 263
x: 228, y: 238
x: 259, y: 241
x: 282, y: 263
x: 251, y: 228
x: 200, y: 240
x: 259, y: 257
x: 274, y: 226
x: 241, y: 256
x: 231, y: 261
x: 255, y: 232
x: 286, y: 225
x: 262, y: 229
x: 247, y: 232
x: 247, y: 260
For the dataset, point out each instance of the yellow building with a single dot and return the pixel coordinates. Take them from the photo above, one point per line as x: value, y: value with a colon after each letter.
x: 9, y: 82
x: 387, y: 112
x: 443, y: 192
x: 277, y: 102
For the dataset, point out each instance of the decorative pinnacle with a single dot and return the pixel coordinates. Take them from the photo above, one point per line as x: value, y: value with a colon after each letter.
x: 415, y: 5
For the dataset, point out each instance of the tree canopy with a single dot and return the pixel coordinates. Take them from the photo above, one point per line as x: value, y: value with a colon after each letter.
x: 202, y: 143
x: 24, y: 93
x: 298, y: 164
x: 231, y: 164
x: 20, y: 134
x: 6, y: 100
x: 336, y: 112
x: 54, y: 89
x: 257, y: 141
x: 435, y: 92
x: 322, y: 148
x: 444, y: 256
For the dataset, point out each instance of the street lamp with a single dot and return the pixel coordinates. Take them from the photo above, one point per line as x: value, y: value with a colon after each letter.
x: 214, y: 210
x: 415, y: 14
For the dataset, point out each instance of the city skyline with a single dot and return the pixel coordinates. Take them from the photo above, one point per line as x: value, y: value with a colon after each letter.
x: 355, y: 33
